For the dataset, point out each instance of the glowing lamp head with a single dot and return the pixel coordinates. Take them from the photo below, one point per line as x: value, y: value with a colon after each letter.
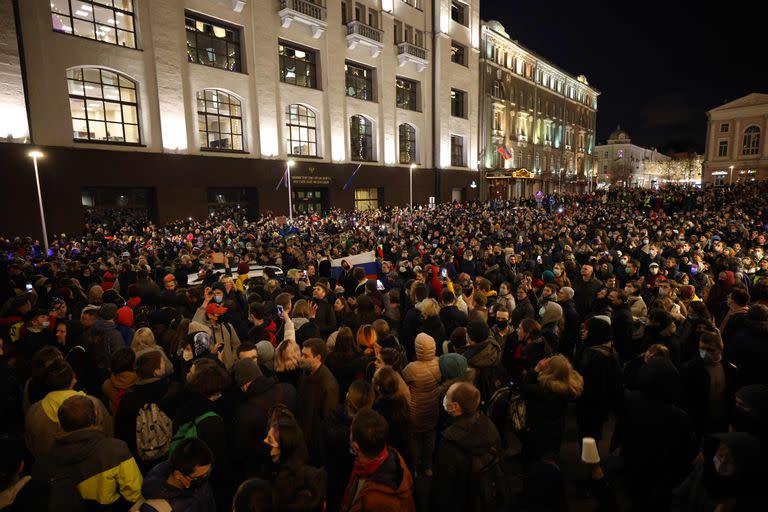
x: 290, y: 163
x: 35, y: 154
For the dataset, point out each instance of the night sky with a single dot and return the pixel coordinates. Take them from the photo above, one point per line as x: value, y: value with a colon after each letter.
x: 658, y: 65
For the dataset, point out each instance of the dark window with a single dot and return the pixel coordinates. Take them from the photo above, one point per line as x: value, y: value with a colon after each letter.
x: 751, y: 141
x: 458, y: 103
x: 359, y: 81
x: 407, y: 144
x: 457, y: 151
x: 212, y: 43
x: 298, y: 66
x: 458, y: 53
x: 361, y: 139
x: 101, y: 20
x: 459, y: 12
x: 302, y: 131
x: 104, y: 106
x: 407, y: 94
x: 722, y: 149
x: 724, y: 128
x: 219, y: 120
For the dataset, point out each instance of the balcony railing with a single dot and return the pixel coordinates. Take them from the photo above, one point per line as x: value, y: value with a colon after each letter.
x: 407, y: 52
x: 305, y: 12
x: 360, y: 33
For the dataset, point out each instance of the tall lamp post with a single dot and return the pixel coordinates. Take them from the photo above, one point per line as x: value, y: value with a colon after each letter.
x: 730, y: 181
x: 560, y: 182
x: 35, y: 155
x: 410, y: 179
x: 288, y: 165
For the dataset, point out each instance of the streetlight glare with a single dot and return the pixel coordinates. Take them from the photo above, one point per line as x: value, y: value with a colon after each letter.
x: 291, y: 163
x: 35, y: 154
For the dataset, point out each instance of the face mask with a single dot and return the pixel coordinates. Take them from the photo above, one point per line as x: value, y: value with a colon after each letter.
x: 663, y: 292
x: 502, y: 324
x: 542, y: 311
x: 46, y: 325
x: 624, y: 262
x: 705, y: 355
x: 305, y: 364
x: 187, y: 355
x: 654, y: 271
x: 721, y: 467
x: 628, y: 270
x: 218, y: 300
x: 445, y: 404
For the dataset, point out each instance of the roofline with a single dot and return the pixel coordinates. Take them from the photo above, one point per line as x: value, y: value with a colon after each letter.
x: 484, y: 24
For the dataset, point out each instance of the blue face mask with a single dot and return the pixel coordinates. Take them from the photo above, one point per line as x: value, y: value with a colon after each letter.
x: 218, y: 299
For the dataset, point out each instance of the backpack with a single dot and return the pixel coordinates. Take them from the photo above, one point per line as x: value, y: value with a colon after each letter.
x: 188, y: 430
x: 489, y: 484
x: 491, y: 379
x: 507, y: 410
x: 153, y: 432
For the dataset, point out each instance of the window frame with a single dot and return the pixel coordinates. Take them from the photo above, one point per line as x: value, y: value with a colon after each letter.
x: 722, y: 148
x: 353, y: 81
x: 371, y: 201
x: 726, y: 126
x: 457, y: 157
x: 87, y: 100
x: 359, y: 136
x: 410, y: 141
x: 289, y: 132
x: 460, y: 8
x: 413, y: 94
x: 751, y: 141
x: 235, y: 42
x: 455, y: 95
x: 459, y: 56
x: 99, y: 4
x: 309, y: 63
x: 231, y: 101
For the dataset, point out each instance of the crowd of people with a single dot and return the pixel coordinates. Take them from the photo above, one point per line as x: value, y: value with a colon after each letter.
x: 141, y: 368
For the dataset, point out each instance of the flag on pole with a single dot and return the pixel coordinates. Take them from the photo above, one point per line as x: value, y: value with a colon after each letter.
x: 504, y: 152
x: 284, y: 178
x: 349, y: 181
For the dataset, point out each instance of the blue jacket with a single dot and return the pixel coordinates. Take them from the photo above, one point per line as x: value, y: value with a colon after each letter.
x: 181, y: 500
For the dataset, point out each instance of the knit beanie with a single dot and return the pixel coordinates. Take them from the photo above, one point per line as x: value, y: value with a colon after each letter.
x: 266, y: 351
x: 452, y: 365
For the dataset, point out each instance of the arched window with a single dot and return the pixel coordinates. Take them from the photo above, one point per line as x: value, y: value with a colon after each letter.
x: 104, y: 106
x: 407, y: 144
x: 219, y: 120
x: 301, y: 132
x: 361, y: 139
x: 751, y: 141
x: 498, y: 90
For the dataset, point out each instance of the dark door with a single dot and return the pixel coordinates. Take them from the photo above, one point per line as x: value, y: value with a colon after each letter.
x: 310, y: 200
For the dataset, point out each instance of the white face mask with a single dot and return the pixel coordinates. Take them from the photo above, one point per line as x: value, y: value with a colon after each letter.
x: 542, y: 311
x: 705, y: 355
x: 46, y: 324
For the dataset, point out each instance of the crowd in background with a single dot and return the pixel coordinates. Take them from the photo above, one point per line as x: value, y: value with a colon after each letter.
x: 143, y: 368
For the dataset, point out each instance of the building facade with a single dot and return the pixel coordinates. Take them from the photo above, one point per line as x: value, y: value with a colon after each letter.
x: 623, y: 164
x: 210, y: 99
x: 736, y: 149
x: 538, y: 122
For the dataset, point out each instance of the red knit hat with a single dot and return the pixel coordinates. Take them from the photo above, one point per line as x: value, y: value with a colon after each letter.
x: 124, y: 316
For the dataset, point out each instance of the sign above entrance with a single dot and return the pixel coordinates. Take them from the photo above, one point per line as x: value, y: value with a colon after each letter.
x: 311, y: 180
x: 522, y: 173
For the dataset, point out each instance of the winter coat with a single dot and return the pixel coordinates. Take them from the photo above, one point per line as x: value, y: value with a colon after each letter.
x: 389, y: 489
x: 638, y: 307
x: 571, y: 328
x: 697, y: 399
x: 318, y: 394
x: 299, y: 487
x: 181, y: 500
x: 544, y: 418
x: 452, y: 317
x: 41, y: 425
x: 434, y: 327
x: 748, y: 350
x: 220, y: 333
x: 336, y: 429
x: 112, y: 340
x: 325, y: 318
x: 621, y: 326
x: 102, y: 467
x: 508, y: 301
x: 347, y: 368
x: 523, y: 310
x: 471, y: 435
x: 251, y: 420
x: 116, y: 386
x: 423, y: 378
x: 584, y: 294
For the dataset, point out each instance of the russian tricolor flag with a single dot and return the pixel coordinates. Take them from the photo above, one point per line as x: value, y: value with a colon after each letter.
x: 365, y: 260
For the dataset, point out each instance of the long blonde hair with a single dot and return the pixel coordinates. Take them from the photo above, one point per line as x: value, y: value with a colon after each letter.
x: 287, y: 355
x: 143, y: 338
x: 560, y: 377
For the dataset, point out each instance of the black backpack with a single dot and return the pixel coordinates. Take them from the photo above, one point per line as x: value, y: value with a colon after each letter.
x: 490, y: 486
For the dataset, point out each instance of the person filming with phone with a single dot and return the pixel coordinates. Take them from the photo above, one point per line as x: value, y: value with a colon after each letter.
x: 224, y: 339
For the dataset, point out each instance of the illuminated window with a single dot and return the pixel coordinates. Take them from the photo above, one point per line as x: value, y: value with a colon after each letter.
x: 407, y: 94
x: 722, y: 148
x: 104, y: 106
x: 751, y: 141
x: 212, y: 43
x: 102, y: 20
x: 366, y: 198
x: 458, y: 53
x: 298, y: 66
x: 359, y: 81
x: 219, y: 120
x: 407, y: 137
x: 301, y: 128
x: 361, y: 139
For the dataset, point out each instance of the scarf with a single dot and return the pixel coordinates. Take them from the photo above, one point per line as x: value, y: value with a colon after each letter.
x: 361, y: 470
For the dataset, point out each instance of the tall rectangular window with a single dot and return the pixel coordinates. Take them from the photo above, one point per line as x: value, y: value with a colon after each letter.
x: 407, y: 94
x: 459, y: 12
x: 458, y: 53
x: 212, y: 43
x: 298, y: 66
x: 102, y: 20
x: 458, y: 103
x: 366, y: 198
x: 344, y: 12
x: 398, y: 32
x: 373, y: 18
x: 457, y: 151
x: 359, y: 81
x: 722, y: 148
x: 724, y: 128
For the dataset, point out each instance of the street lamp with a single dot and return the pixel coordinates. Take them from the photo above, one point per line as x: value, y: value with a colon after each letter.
x: 35, y: 155
x: 560, y: 181
x: 410, y: 176
x: 288, y: 165
x: 731, y: 179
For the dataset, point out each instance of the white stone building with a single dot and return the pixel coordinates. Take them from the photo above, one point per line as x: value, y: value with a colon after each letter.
x: 623, y: 164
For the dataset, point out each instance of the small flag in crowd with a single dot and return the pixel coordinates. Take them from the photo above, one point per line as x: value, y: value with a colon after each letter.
x: 504, y: 152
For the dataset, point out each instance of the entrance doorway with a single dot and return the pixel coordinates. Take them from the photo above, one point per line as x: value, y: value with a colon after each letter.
x: 233, y: 202
x: 310, y: 200
x: 117, y: 206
